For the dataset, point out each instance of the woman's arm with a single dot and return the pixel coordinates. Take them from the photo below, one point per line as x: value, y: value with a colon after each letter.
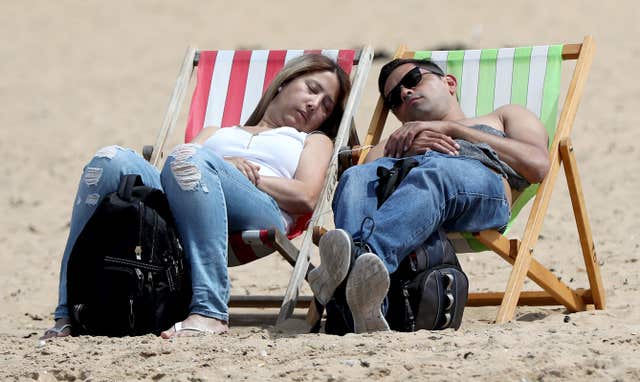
x: 300, y: 194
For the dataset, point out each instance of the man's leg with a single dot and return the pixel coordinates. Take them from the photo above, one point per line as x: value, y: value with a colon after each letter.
x: 457, y: 193
x: 355, y: 197
x: 337, y: 250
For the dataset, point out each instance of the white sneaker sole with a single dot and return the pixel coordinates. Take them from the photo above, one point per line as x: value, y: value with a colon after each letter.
x: 335, y: 258
x: 367, y: 286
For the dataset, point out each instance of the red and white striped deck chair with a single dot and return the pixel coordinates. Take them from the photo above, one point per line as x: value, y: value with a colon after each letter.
x: 229, y: 86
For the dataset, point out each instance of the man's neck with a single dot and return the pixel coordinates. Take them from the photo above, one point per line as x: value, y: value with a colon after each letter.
x: 454, y: 114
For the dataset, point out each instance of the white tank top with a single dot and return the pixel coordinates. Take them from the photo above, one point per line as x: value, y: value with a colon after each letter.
x: 276, y: 151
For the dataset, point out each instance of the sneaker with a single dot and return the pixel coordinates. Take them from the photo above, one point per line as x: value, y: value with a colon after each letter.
x: 335, y: 259
x: 367, y: 286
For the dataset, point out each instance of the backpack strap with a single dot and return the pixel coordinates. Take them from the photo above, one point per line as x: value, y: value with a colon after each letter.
x: 390, y: 178
x: 127, y: 182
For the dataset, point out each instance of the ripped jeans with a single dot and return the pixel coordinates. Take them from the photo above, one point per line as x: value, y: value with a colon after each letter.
x: 208, y: 198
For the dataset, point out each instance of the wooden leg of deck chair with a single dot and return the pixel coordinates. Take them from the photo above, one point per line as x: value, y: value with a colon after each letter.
x: 514, y: 285
x: 508, y: 250
x: 582, y: 220
x: 526, y: 298
x: 290, y: 253
x: 177, y: 97
x: 284, y: 246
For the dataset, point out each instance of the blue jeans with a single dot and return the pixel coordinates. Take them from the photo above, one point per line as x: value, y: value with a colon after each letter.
x: 456, y: 193
x: 208, y: 198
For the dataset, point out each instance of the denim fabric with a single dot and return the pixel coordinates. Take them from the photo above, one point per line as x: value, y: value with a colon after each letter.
x: 454, y: 192
x: 208, y: 198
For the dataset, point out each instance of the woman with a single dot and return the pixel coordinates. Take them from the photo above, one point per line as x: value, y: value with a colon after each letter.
x: 228, y: 180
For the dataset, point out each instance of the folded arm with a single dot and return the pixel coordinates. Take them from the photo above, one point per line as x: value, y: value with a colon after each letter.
x: 525, y: 146
x: 300, y: 194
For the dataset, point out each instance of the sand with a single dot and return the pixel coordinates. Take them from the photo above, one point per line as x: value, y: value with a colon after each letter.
x: 77, y: 76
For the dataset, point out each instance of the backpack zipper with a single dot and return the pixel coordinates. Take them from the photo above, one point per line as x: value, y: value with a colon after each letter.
x: 132, y: 317
x: 145, y: 266
x: 407, y: 306
x: 154, y: 235
x: 134, y: 264
x: 138, y: 249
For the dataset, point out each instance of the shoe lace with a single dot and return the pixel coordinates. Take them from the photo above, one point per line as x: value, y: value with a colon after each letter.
x: 362, y: 243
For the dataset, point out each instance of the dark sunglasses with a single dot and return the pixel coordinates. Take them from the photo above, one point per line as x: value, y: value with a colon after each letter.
x: 409, y: 81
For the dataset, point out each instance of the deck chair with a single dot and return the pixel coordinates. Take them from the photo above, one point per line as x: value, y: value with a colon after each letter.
x: 228, y: 87
x: 529, y: 76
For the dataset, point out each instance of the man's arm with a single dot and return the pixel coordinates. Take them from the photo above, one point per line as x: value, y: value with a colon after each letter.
x: 376, y: 152
x: 415, y: 138
x: 525, y: 145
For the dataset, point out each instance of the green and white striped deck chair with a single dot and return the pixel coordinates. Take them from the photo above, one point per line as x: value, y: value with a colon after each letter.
x: 528, y: 76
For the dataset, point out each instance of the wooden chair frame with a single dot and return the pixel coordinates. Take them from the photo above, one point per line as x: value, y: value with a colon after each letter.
x: 301, y: 263
x: 519, y: 252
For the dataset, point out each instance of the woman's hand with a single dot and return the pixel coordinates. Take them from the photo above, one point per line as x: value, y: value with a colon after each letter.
x: 250, y: 170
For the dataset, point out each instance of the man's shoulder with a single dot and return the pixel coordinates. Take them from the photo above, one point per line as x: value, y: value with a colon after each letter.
x: 513, y: 110
x: 510, y: 113
x: 492, y: 119
x: 504, y: 117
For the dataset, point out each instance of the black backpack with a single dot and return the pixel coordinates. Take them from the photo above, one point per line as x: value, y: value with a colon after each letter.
x: 429, y: 290
x: 126, y: 274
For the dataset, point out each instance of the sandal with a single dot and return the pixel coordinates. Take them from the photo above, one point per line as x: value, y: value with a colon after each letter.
x: 179, y: 328
x: 57, y: 331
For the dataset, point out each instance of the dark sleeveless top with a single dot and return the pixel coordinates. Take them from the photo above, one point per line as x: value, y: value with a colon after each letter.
x: 489, y: 157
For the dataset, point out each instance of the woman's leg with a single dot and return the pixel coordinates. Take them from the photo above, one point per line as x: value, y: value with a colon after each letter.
x: 210, y: 198
x: 100, y: 177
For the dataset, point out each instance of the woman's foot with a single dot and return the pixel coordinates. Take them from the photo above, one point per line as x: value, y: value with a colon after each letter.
x: 62, y: 328
x: 195, y: 325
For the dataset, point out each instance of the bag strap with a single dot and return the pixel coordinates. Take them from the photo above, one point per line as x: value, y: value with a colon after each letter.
x: 127, y: 182
x: 390, y: 178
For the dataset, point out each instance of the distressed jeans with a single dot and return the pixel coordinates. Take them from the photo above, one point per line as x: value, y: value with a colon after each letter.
x: 456, y: 193
x: 208, y: 198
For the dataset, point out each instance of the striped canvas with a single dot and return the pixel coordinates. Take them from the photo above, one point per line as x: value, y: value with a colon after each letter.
x: 230, y: 83
x: 490, y: 78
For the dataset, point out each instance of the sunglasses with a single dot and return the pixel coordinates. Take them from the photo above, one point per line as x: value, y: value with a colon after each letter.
x: 410, y: 80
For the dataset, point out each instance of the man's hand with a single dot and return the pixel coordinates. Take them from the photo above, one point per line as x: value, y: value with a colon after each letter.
x: 418, y: 137
x: 249, y: 169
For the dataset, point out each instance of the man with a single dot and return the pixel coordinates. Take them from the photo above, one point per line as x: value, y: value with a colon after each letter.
x: 469, y: 171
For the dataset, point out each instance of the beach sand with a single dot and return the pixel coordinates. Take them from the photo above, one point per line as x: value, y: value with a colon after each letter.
x: 77, y: 76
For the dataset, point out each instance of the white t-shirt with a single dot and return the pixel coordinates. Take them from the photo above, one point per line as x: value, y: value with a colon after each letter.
x: 277, y: 151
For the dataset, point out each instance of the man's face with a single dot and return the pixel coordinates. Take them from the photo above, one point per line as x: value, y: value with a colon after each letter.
x: 417, y: 94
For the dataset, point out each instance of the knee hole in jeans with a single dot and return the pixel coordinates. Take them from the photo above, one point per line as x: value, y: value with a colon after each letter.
x: 186, y: 174
x: 107, y: 152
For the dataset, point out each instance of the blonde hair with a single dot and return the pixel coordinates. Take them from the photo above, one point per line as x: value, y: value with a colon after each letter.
x: 305, y: 64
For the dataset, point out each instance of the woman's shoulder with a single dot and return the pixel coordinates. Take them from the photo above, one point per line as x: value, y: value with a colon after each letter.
x: 205, y: 134
x: 319, y: 138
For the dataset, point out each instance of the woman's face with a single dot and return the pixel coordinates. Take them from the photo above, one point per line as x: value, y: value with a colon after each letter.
x: 305, y: 102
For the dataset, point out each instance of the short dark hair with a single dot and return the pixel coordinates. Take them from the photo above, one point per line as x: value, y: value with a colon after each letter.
x: 392, y: 65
